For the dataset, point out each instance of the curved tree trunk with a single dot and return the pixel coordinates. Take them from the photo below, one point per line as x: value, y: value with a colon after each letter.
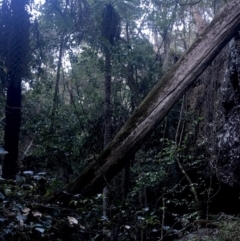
x: 158, y: 102
x: 16, y: 62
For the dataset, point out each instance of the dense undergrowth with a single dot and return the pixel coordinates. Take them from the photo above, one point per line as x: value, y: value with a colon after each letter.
x: 26, y: 215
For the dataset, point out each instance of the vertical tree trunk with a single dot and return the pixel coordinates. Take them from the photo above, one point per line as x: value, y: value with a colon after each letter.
x: 12, y: 129
x: 107, y: 122
x: 107, y: 99
x: 56, y: 92
x: 16, y: 61
x: 135, y: 100
x: 131, y: 82
x: 166, y: 44
x: 110, y: 32
x: 200, y: 22
x: 125, y: 181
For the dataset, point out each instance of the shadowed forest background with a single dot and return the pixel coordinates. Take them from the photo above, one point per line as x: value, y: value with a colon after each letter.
x: 72, y: 73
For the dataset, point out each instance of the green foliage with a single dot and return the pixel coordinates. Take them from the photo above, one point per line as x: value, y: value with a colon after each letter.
x: 158, y: 195
x: 24, y: 217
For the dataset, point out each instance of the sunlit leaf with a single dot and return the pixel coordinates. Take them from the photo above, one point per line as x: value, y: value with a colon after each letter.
x: 146, y: 209
x: 2, y: 220
x: 72, y: 220
x: 21, y: 217
x: 166, y: 227
x: 2, y: 196
x: 37, y: 177
x: 42, y: 173
x: 7, y: 191
x: 26, y: 210
x: 36, y: 214
x: 99, y: 195
x: 2, y: 151
x: 41, y: 230
x: 30, y: 173
x: 82, y: 227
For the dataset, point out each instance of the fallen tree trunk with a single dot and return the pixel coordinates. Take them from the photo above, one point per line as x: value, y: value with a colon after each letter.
x: 158, y: 102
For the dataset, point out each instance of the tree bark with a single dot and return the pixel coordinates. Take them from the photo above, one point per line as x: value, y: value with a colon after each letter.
x: 107, y: 99
x: 56, y: 92
x: 107, y: 120
x: 166, y: 45
x: 12, y: 129
x: 131, y: 81
x: 17, y: 48
x: 158, y: 102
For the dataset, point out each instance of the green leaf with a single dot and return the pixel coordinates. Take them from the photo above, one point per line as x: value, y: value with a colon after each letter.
x: 41, y: 230
x: 7, y: 191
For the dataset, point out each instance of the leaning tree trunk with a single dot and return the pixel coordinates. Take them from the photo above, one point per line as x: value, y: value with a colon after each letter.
x: 16, y: 62
x: 158, y: 102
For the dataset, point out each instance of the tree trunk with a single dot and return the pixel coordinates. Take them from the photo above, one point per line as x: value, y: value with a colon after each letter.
x: 107, y: 101
x: 166, y: 44
x: 158, y: 102
x: 16, y: 62
x: 107, y: 128
x: 200, y: 22
x: 12, y: 129
x: 56, y: 92
x: 107, y: 120
x: 131, y: 81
